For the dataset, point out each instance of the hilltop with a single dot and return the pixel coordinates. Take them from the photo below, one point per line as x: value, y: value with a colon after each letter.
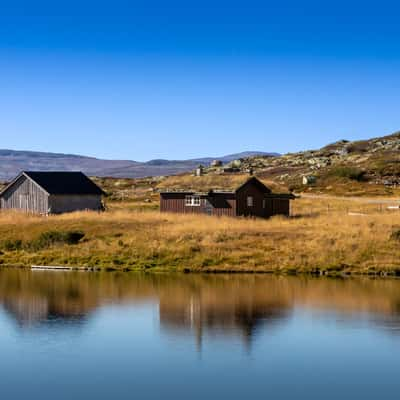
x: 344, y: 167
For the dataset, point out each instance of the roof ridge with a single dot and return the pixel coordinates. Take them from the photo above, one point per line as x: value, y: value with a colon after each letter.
x: 61, y: 182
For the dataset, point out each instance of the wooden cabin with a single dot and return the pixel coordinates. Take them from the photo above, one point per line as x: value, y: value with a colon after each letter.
x: 252, y: 198
x: 51, y: 193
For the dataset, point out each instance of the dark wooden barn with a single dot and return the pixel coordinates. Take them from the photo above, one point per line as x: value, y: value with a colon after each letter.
x: 252, y: 198
x: 51, y: 193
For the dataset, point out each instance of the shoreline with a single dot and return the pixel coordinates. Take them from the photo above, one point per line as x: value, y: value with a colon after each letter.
x: 213, y: 271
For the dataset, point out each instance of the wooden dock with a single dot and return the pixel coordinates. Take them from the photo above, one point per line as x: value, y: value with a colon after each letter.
x: 56, y: 268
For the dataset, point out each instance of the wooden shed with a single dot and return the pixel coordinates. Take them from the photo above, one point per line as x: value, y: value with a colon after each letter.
x: 252, y: 198
x: 51, y: 193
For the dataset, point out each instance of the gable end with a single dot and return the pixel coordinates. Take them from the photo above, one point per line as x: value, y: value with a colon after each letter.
x: 17, y: 181
x: 255, y: 182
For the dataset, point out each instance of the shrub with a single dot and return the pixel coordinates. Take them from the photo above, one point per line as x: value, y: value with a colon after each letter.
x: 51, y: 238
x: 352, y: 173
x: 395, y: 235
x: 358, y: 147
x: 11, y: 245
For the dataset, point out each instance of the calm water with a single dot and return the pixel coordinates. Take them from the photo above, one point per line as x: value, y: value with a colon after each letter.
x: 121, y: 336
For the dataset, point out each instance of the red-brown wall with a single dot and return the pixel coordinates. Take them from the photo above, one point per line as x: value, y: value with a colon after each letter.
x: 258, y: 195
x: 232, y: 204
x: 172, y: 202
x: 220, y: 204
x: 223, y: 204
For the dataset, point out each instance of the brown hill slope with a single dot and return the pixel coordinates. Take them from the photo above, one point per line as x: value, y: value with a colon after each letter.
x: 349, y: 168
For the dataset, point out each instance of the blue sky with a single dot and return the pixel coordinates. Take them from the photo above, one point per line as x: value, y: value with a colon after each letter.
x: 173, y: 79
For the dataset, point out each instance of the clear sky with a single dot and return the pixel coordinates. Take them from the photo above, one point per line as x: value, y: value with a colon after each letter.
x: 181, y: 79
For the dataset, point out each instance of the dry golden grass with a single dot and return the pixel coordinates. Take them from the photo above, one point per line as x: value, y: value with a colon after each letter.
x: 316, y: 239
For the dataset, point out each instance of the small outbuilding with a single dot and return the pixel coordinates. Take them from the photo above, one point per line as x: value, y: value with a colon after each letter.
x: 309, y: 179
x: 252, y: 198
x: 51, y: 193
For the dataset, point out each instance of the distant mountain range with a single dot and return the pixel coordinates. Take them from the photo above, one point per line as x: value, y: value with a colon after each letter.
x: 12, y: 162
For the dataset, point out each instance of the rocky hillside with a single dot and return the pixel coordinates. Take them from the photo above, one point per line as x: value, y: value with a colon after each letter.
x: 370, y: 166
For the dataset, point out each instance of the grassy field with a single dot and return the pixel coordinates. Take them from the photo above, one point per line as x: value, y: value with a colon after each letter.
x: 324, y: 236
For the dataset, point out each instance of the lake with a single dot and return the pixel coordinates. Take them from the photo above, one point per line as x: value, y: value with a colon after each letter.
x: 78, y: 335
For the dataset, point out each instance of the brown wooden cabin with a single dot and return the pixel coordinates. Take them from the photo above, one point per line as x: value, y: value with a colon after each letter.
x: 51, y: 193
x: 252, y: 198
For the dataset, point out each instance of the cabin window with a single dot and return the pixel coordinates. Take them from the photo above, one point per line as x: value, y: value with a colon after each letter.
x: 250, y: 201
x: 192, y: 201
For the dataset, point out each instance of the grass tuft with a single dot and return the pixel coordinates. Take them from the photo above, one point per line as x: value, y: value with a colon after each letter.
x: 52, y: 238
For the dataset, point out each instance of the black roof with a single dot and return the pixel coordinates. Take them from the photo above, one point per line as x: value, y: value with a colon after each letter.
x: 64, y: 182
x: 228, y: 190
x: 255, y: 181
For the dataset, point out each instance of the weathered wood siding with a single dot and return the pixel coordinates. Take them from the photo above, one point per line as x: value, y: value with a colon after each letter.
x: 223, y: 204
x: 218, y: 204
x: 172, y: 202
x: 59, y: 204
x: 25, y: 195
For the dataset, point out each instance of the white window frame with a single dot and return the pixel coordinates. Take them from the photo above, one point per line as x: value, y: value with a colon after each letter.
x: 250, y: 201
x: 192, y: 201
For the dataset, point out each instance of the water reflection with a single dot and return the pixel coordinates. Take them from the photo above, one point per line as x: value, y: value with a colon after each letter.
x: 148, y: 336
x: 215, y: 308
x: 238, y: 305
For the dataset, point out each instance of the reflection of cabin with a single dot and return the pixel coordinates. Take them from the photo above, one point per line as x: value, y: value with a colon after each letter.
x: 202, y: 314
x: 37, y: 310
x: 252, y: 198
x: 51, y: 193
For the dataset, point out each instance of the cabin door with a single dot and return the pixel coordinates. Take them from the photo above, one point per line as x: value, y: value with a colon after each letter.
x: 268, y: 207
